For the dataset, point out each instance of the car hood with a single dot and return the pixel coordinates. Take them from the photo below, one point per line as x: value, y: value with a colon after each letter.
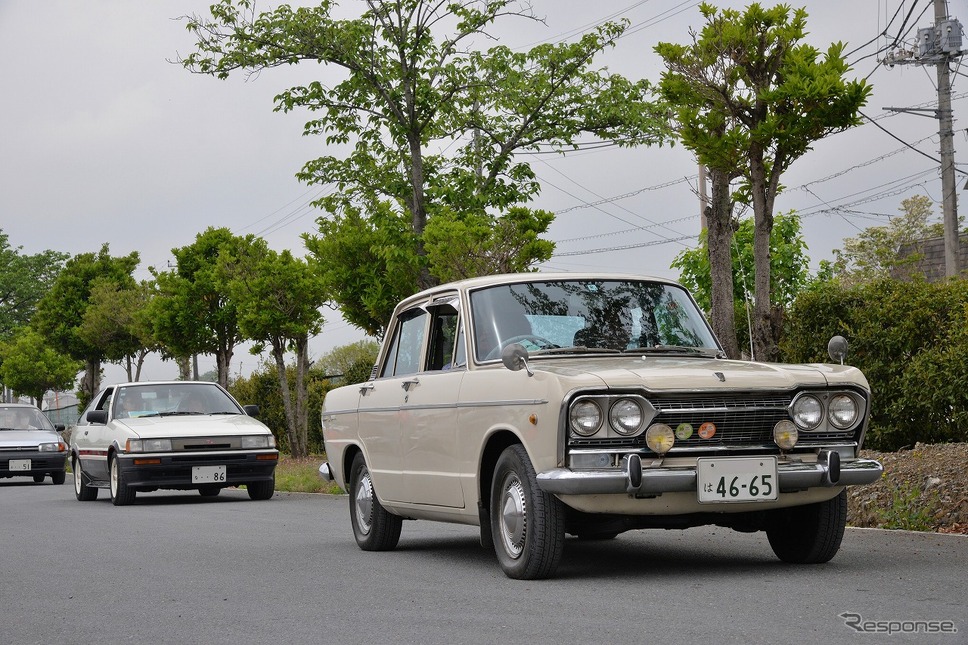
x: 19, y: 438
x: 196, y: 425
x: 689, y: 373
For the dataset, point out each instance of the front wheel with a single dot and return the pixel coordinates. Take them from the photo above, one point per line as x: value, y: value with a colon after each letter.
x: 374, y: 528
x: 58, y: 478
x: 261, y: 490
x: 82, y: 491
x: 121, y: 493
x: 528, y: 525
x: 809, y: 534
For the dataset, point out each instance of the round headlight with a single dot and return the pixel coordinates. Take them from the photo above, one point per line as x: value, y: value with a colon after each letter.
x: 659, y: 438
x: 626, y: 416
x: 807, y: 412
x: 586, y: 418
x: 785, y: 435
x: 842, y: 410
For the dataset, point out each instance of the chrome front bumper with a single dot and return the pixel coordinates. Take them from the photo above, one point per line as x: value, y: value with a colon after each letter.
x: 637, y: 480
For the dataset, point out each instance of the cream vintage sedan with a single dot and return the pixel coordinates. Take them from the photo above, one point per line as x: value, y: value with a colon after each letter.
x: 179, y: 435
x: 539, y: 405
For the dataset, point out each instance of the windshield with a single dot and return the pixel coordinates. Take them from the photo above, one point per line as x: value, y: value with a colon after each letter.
x: 23, y: 418
x: 615, y: 315
x: 171, y: 399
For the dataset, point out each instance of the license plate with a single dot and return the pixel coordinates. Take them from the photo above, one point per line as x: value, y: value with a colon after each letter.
x: 19, y: 465
x: 737, y: 480
x: 208, y: 474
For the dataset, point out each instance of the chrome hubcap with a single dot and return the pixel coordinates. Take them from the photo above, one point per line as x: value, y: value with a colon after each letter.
x: 364, y: 503
x: 514, y: 517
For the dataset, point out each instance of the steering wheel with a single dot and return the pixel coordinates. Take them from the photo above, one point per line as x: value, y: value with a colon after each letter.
x: 539, y: 342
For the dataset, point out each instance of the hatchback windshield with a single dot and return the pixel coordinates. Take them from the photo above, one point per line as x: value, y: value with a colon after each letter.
x: 601, y: 315
x: 23, y: 418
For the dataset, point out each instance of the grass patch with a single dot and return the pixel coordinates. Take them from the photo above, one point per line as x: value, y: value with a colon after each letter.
x: 301, y: 475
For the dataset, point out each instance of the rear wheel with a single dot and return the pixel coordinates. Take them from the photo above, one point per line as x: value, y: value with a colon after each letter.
x: 809, y: 534
x: 528, y: 524
x: 82, y: 491
x: 261, y: 490
x: 374, y: 528
x: 121, y: 493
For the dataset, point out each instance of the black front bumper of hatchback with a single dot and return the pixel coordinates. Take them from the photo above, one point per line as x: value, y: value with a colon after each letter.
x: 41, y: 463
x: 164, y: 470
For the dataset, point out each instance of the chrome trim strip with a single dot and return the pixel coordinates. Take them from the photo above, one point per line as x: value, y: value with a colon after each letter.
x: 438, y: 406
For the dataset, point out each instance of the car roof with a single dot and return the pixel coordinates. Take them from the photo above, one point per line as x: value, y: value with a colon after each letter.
x: 30, y: 406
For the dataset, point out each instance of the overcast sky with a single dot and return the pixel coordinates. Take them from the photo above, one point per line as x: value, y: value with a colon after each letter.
x: 106, y: 141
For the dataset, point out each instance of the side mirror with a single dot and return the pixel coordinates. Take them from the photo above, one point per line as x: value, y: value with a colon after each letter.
x: 59, y: 427
x: 515, y: 357
x: 97, y: 416
x: 251, y: 410
x: 837, y: 349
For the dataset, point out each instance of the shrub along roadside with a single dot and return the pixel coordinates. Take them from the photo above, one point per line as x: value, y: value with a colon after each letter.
x: 909, y: 339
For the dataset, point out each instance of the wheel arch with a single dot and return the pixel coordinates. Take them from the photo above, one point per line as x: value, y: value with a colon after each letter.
x: 349, y: 454
x: 495, y: 445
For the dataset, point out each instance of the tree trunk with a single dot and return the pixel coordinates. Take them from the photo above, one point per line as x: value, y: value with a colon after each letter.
x: 279, y: 354
x: 719, y: 237
x: 302, y: 394
x: 764, y: 342
x: 184, y: 368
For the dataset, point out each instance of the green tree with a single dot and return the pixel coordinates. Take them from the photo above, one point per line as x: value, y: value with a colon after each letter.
x: 749, y: 90
x: 789, y: 271
x: 116, y: 319
x: 353, y: 362
x: 23, y: 281
x: 873, y: 254
x: 30, y: 366
x: 434, y: 124
x: 193, y: 313
x: 277, y: 298
x: 60, y: 312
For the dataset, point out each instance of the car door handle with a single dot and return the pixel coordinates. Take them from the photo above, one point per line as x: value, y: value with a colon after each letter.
x: 406, y: 385
x: 365, y: 387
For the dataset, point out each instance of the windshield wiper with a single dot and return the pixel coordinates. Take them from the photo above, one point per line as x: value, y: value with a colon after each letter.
x: 576, y: 349
x: 675, y: 349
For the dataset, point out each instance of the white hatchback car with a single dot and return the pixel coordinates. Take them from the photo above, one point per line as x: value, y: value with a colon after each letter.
x: 181, y: 435
x: 30, y: 446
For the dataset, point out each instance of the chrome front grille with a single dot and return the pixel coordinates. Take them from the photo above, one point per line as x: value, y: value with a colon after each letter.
x: 744, y: 419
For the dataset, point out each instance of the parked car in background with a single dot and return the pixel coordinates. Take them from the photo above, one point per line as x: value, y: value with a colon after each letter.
x: 30, y: 446
x: 180, y: 435
x: 540, y: 405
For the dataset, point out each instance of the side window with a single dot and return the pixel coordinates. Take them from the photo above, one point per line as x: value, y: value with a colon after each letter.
x: 443, y: 332
x: 404, y: 354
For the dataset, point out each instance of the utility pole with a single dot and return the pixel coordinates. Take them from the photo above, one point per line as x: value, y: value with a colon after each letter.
x: 939, y: 45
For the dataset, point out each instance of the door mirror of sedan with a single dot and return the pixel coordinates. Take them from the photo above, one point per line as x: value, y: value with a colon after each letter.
x: 251, y: 410
x: 97, y: 416
x: 515, y: 357
x: 837, y: 349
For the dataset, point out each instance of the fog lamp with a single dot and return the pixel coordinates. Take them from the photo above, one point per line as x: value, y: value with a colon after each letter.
x: 785, y: 435
x: 659, y: 438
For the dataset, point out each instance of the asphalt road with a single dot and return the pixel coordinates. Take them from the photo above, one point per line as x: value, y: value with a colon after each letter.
x: 178, y: 568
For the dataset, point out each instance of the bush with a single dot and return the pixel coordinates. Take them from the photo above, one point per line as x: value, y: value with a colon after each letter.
x: 909, y: 339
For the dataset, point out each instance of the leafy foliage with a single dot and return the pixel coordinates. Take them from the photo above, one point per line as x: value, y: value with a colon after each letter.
x: 29, y: 365
x: 432, y: 125
x: 748, y: 93
x: 909, y: 339
x: 23, y: 281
